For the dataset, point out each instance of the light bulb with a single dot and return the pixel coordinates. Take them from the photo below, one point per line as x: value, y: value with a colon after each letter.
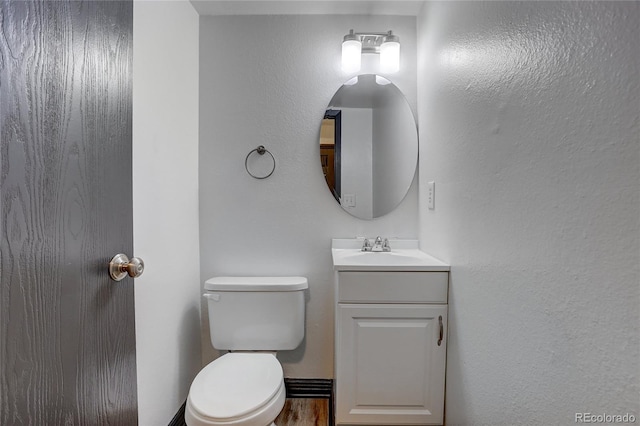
x: 381, y: 81
x: 352, y: 81
x: 351, y: 53
x: 390, y: 55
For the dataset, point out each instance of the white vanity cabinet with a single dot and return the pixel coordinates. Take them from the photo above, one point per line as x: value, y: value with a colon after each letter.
x: 390, y: 343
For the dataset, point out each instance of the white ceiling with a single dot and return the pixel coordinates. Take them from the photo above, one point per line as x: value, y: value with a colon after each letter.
x: 307, y: 7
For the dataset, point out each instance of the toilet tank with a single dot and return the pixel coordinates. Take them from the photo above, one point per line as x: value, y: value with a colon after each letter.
x: 256, y: 313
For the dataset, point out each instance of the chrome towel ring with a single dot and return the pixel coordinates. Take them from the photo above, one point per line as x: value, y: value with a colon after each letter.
x: 260, y: 150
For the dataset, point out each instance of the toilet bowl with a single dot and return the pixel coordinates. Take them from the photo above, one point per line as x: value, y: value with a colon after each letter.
x: 253, y: 317
x: 239, y: 389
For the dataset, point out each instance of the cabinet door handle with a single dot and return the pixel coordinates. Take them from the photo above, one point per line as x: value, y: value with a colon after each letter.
x: 441, y: 330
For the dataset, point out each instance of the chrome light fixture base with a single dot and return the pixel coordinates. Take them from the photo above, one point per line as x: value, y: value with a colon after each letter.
x: 355, y: 44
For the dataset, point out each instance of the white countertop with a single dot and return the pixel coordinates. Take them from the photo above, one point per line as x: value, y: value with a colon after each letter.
x: 404, y: 256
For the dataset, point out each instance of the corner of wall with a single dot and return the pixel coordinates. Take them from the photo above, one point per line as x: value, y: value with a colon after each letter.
x: 165, y: 192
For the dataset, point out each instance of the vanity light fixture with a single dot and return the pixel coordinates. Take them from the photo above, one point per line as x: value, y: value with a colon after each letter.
x: 387, y: 45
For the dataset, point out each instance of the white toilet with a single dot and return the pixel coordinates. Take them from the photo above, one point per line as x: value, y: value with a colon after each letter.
x: 254, y: 317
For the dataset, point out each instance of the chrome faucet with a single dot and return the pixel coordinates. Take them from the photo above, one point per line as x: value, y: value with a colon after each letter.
x: 378, y: 245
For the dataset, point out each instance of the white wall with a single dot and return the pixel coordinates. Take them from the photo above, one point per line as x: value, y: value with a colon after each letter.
x: 529, y: 115
x: 268, y: 80
x: 395, y: 152
x: 165, y: 205
x: 356, y: 159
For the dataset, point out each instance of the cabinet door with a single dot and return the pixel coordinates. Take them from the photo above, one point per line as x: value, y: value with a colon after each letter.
x: 389, y: 366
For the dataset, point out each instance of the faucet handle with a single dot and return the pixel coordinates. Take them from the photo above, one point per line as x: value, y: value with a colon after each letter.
x: 366, y: 245
x: 385, y: 245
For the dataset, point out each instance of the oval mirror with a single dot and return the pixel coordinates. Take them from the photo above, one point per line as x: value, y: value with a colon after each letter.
x: 368, y: 146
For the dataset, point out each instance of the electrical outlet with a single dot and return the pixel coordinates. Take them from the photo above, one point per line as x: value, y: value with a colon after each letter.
x: 349, y: 200
x: 431, y: 195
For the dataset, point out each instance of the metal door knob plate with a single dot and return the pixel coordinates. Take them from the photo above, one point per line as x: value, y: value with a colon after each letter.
x: 121, y: 266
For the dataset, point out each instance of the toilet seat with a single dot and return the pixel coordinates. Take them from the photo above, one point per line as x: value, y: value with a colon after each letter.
x: 240, y: 388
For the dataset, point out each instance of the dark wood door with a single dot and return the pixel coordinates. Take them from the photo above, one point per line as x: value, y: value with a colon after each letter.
x: 327, y: 152
x: 67, y: 339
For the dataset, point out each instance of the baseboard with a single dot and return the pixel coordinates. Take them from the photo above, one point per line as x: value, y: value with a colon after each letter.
x: 309, y: 388
x: 296, y: 388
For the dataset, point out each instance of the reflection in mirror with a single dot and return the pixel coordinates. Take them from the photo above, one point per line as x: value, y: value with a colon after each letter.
x: 330, y: 152
x: 368, y: 146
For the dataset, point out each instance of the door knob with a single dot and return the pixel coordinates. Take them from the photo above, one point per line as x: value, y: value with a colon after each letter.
x: 120, y: 266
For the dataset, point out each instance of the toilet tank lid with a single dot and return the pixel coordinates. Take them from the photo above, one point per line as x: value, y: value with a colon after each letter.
x: 256, y: 284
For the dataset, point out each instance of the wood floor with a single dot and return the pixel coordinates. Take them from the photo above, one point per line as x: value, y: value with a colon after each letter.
x: 304, y: 412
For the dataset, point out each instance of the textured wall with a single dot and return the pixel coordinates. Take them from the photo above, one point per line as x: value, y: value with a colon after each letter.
x: 529, y: 116
x: 267, y: 80
x: 165, y: 205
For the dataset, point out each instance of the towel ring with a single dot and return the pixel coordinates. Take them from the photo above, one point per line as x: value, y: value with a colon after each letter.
x: 260, y: 150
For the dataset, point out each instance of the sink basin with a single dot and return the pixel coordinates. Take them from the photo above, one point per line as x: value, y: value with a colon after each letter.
x: 347, y: 256
x: 404, y: 257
